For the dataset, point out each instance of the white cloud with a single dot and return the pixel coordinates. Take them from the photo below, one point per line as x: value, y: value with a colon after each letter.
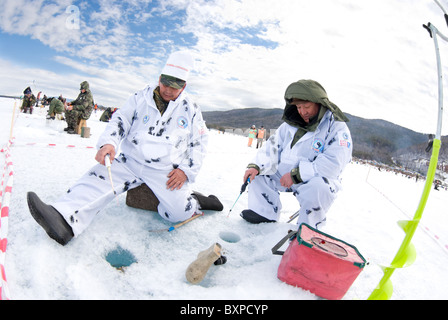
x: 374, y: 58
x: 43, y: 21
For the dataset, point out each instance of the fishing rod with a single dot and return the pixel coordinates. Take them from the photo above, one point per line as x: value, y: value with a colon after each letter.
x: 295, y: 215
x: 108, y: 165
x: 243, y: 188
x: 109, y: 171
x: 196, y: 215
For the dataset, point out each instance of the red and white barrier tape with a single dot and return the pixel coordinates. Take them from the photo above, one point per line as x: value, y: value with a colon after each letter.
x: 431, y: 234
x: 5, y: 197
x: 52, y: 145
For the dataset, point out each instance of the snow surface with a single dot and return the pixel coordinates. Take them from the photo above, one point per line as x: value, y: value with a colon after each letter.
x: 364, y: 215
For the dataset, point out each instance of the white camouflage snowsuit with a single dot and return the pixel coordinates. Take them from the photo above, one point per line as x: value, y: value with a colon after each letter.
x: 151, y: 146
x: 320, y: 156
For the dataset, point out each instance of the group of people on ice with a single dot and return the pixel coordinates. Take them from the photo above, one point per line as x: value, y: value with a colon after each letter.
x: 29, y: 101
x: 259, y: 134
x: 80, y: 108
x: 163, y: 139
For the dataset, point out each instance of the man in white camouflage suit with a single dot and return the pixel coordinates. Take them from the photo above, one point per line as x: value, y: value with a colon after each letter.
x: 162, y: 137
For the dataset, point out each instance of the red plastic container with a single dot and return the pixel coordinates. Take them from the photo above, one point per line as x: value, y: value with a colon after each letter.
x: 320, y: 263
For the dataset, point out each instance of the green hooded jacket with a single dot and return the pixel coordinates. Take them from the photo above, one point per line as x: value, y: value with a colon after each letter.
x: 308, y: 90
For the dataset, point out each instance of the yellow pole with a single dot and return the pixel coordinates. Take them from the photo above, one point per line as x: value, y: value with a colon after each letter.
x: 12, y: 120
x: 406, y: 254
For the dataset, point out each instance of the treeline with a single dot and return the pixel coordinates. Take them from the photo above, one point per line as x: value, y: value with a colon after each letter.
x: 373, y: 139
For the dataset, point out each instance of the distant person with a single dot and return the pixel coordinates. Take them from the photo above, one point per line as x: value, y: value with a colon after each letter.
x: 38, y: 98
x: 57, y: 106
x: 107, y: 114
x: 252, y: 135
x: 29, y: 100
x: 45, y: 101
x: 162, y: 137
x: 306, y: 156
x: 80, y: 108
x: 260, y: 136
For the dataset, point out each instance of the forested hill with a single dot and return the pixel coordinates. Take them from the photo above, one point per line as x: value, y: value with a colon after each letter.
x: 373, y: 139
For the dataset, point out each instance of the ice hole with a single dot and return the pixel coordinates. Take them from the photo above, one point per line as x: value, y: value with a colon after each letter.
x: 229, y: 237
x: 120, y: 258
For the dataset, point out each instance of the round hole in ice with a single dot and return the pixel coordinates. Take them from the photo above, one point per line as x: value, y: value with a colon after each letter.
x: 119, y: 258
x: 229, y: 236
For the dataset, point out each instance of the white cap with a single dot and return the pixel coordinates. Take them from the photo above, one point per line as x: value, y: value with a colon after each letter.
x: 179, y: 65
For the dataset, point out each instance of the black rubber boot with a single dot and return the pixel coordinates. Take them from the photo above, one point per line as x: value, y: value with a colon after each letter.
x: 208, y: 203
x: 253, y: 217
x: 49, y: 219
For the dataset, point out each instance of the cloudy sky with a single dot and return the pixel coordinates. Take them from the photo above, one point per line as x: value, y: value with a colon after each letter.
x: 373, y: 57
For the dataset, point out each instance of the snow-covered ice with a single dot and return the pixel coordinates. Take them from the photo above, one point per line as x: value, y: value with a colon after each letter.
x: 48, y: 161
